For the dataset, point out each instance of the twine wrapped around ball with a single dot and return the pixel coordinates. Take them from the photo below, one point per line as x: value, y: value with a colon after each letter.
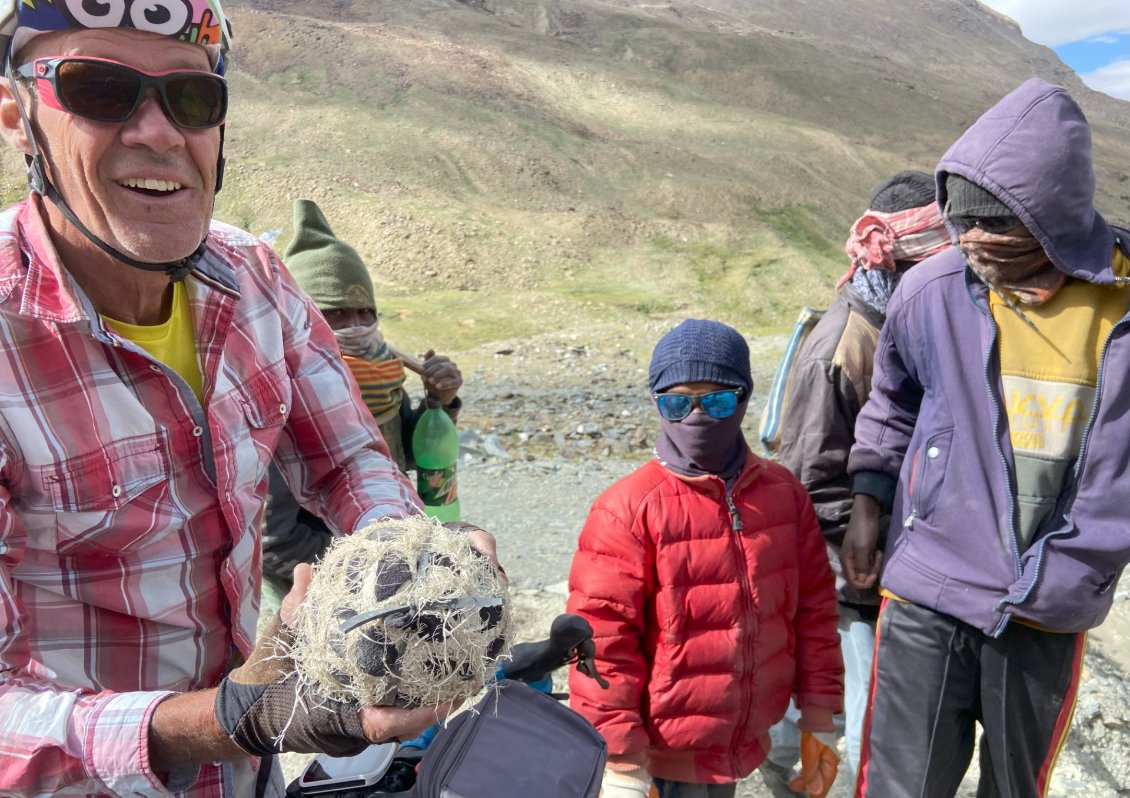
x: 404, y: 612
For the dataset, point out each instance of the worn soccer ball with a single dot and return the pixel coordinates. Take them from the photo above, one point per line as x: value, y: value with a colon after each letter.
x: 404, y: 612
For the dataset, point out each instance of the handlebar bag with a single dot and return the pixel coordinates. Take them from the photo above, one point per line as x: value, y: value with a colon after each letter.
x: 517, y: 742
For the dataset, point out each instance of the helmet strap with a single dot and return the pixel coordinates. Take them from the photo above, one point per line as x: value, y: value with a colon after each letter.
x: 176, y: 271
x: 220, y: 162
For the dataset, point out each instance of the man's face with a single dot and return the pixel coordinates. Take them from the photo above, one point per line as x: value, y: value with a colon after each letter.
x: 145, y: 186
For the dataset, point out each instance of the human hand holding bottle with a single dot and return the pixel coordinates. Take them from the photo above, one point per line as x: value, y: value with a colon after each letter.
x: 442, y: 378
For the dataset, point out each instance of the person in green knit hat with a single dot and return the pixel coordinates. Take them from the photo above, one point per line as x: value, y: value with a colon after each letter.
x: 337, y: 280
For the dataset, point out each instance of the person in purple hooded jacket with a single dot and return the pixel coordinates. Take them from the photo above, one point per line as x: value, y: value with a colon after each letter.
x: 996, y: 434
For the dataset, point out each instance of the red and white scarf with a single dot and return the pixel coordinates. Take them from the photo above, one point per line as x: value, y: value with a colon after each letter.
x: 879, y: 240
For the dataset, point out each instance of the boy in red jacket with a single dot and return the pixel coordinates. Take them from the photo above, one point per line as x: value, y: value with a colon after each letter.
x: 704, y: 576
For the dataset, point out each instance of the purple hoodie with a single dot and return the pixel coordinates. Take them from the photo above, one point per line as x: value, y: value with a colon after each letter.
x: 936, y: 420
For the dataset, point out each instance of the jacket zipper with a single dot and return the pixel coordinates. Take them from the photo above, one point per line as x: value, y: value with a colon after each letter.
x: 735, y: 519
x: 1013, y: 541
x: 737, y: 526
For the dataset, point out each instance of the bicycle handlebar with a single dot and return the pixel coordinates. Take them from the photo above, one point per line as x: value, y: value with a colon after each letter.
x: 570, y: 639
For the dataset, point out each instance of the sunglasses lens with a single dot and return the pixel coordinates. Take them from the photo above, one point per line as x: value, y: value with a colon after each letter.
x: 197, y: 100
x: 107, y: 92
x: 102, y: 92
x: 674, y: 406
x: 720, y: 404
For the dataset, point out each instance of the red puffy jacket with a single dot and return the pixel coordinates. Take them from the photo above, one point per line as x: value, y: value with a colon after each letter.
x: 708, y: 616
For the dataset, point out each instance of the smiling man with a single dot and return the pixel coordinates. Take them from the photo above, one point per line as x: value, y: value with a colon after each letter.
x: 154, y: 363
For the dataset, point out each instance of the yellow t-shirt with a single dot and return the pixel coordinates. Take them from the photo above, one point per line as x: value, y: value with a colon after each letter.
x: 172, y: 342
x: 1049, y: 369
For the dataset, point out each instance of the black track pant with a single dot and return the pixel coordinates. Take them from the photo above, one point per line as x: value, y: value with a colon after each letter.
x: 935, y: 677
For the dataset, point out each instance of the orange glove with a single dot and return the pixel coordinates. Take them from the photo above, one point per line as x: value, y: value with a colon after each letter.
x: 819, y: 764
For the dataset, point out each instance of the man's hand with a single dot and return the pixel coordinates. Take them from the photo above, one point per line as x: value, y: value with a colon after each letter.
x: 483, y: 542
x: 858, y: 555
x: 262, y: 708
x: 442, y: 378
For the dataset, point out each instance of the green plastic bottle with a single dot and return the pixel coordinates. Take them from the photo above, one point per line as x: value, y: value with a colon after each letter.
x: 435, y: 447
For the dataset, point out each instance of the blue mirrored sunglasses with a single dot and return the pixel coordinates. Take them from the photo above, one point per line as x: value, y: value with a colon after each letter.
x: 716, y: 404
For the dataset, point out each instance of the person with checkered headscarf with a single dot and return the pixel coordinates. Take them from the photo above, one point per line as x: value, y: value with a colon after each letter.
x: 831, y: 379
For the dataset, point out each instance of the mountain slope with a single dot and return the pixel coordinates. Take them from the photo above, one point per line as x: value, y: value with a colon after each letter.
x: 604, y: 161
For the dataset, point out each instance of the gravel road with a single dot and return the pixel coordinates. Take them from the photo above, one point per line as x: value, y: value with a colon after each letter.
x: 536, y: 508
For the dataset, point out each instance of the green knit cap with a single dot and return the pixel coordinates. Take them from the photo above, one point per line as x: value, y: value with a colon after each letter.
x: 327, y: 269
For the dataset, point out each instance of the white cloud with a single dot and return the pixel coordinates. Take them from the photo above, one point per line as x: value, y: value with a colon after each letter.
x: 1056, y: 22
x: 1114, y: 79
x: 1103, y: 40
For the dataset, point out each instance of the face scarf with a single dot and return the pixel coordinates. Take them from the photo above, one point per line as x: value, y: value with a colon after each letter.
x: 700, y: 445
x: 379, y: 375
x: 366, y: 342
x: 1012, y: 261
x: 875, y: 287
x: 880, y: 240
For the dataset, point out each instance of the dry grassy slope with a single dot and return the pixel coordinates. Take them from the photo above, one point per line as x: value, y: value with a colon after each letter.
x: 646, y: 159
x: 581, y: 164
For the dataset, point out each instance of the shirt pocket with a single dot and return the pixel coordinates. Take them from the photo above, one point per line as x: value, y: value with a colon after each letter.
x: 112, y: 500
x: 253, y: 414
x: 265, y: 403
x: 265, y: 398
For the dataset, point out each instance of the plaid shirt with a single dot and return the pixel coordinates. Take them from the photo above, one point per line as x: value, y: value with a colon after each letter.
x: 129, y: 514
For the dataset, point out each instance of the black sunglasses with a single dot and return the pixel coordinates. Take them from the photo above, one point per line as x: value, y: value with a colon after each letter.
x: 109, y: 91
x: 716, y: 404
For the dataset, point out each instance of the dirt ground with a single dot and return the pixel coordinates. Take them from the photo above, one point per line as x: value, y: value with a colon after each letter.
x: 536, y: 530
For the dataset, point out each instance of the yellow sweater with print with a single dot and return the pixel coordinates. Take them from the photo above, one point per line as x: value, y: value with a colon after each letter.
x: 1049, y: 369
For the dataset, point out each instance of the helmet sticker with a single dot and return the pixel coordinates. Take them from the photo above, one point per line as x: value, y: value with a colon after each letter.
x: 193, y: 21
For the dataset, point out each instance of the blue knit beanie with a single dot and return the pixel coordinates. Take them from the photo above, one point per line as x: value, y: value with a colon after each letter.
x: 699, y: 350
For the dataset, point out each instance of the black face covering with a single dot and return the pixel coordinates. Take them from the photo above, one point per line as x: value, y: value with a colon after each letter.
x: 700, y: 444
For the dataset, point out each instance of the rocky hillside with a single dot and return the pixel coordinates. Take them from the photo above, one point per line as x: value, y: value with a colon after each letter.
x: 607, y: 159
x: 652, y: 157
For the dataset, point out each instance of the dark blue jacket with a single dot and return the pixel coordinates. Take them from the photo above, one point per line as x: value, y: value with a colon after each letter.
x: 936, y: 421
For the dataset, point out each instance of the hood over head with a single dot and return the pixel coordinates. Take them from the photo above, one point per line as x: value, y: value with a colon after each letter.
x: 1032, y: 151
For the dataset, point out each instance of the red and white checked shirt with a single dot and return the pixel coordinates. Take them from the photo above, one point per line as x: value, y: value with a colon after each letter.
x: 129, y: 514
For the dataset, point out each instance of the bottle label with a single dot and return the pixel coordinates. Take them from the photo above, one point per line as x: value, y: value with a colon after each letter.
x: 436, y: 486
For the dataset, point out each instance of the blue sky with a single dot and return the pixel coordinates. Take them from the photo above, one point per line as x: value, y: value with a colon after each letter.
x: 1090, y: 36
